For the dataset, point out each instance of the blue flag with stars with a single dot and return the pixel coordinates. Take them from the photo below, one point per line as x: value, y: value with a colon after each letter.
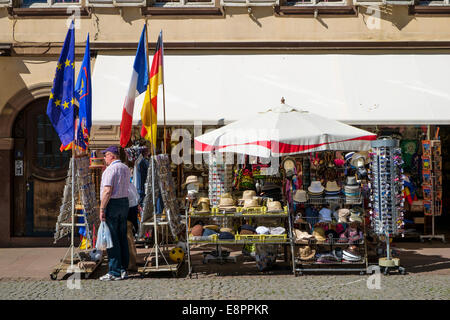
x: 83, y: 93
x: 60, y: 107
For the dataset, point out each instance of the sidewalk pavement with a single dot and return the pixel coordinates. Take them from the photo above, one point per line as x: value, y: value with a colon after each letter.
x: 37, y: 263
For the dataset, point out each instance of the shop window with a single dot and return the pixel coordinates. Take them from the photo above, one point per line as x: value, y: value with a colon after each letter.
x: 255, y: 3
x: 45, y: 3
x: 117, y: 3
x: 434, y: 3
x: 300, y: 2
x: 314, y: 2
x: 47, y: 155
x: 174, y: 3
x: 330, y: 2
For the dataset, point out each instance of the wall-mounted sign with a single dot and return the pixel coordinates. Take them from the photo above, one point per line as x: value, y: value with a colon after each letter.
x: 19, y: 168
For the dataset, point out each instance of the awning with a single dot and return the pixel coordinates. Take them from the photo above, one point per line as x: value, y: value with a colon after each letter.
x: 352, y: 88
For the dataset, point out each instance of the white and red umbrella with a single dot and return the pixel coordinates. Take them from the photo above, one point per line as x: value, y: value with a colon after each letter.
x: 282, y: 131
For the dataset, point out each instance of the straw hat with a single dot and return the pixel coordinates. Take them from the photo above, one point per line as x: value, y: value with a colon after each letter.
x: 300, y: 196
x: 302, y: 235
x: 203, y: 205
x: 306, y: 253
x: 251, y: 203
x: 274, y: 206
x: 316, y: 187
x: 248, y: 195
x: 332, y: 186
x: 319, y: 234
x: 343, y: 215
x: 226, y: 203
x: 191, y: 179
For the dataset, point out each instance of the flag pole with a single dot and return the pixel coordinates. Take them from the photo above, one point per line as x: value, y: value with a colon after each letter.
x: 149, y: 87
x: 155, y: 223
x: 73, y: 161
x: 164, y: 92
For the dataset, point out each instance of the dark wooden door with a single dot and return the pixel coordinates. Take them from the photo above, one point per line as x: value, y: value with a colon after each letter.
x: 39, y: 185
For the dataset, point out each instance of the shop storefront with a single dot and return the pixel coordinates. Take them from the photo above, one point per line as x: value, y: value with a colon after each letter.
x: 377, y: 91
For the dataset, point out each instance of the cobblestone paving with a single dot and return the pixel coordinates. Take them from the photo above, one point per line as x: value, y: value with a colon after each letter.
x: 272, y: 287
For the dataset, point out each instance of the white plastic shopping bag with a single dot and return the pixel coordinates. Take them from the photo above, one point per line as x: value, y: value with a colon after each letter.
x: 104, y: 240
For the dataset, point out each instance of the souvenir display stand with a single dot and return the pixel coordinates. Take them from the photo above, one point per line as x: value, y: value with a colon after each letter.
x: 337, y: 247
x: 78, y: 211
x: 237, y: 216
x: 432, y: 184
x: 160, y: 184
x: 387, y: 197
x: 323, y: 245
x: 285, y: 131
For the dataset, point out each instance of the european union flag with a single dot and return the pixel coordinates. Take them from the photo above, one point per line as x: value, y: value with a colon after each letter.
x: 60, y: 107
x: 83, y: 93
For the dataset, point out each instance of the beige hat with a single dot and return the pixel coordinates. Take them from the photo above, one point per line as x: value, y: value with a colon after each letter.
x: 302, y: 235
x: 227, y: 230
x: 248, y: 195
x: 300, y: 196
x: 274, y: 206
x: 343, y: 215
x: 306, y: 253
x: 315, y: 187
x: 332, y: 186
x: 203, y: 205
x: 191, y: 179
x: 250, y: 203
x: 227, y: 204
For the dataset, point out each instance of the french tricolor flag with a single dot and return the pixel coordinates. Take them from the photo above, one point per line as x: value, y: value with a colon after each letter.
x: 138, y: 84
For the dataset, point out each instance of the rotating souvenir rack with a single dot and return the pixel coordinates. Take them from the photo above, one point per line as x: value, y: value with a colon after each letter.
x: 387, y: 196
x: 239, y: 239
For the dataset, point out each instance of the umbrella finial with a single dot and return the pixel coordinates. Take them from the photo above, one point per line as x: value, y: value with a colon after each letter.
x: 282, y: 100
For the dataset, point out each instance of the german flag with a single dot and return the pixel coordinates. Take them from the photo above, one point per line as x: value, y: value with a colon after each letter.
x: 149, y: 110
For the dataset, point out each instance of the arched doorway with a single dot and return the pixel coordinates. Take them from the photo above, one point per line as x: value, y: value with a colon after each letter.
x: 40, y: 170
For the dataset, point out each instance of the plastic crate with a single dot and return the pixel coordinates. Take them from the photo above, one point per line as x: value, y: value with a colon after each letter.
x: 249, y: 237
x: 254, y: 211
x: 274, y: 237
x: 284, y: 211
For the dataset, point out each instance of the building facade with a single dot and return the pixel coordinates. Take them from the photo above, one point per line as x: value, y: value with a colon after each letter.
x: 31, y: 35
